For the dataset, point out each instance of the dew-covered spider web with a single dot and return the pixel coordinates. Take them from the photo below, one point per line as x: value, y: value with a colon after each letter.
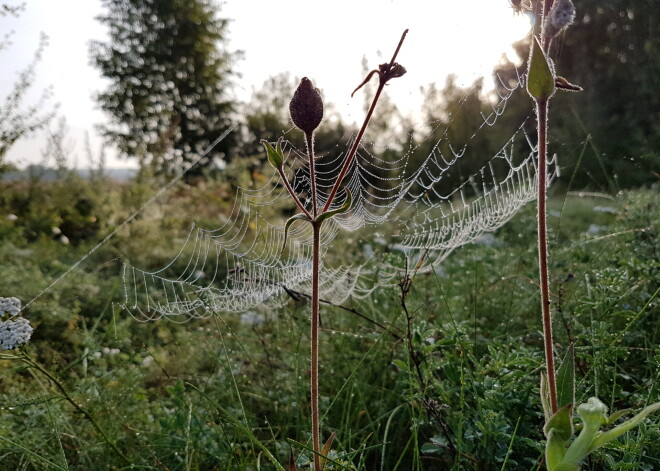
x: 409, y: 203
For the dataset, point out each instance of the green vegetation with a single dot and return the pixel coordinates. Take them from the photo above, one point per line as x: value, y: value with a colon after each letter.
x: 437, y: 370
x: 227, y: 391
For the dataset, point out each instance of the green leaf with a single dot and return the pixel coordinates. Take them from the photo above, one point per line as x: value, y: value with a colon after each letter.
x: 545, y: 397
x: 558, y: 430
x: 560, y: 423
x: 566, y: 379
x: 540, y: 77
x: 344, y: 207
x: 291, y: 220
x: 275, y: 155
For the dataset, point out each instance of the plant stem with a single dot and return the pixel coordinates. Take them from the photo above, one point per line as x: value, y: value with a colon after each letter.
x: 309, y: 140
x: 542, y: 123
x: 316, y: 259
x: 293, y: 193
x: 358, y: 139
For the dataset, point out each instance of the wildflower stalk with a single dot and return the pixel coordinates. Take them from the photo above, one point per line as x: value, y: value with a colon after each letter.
x: 542, y: 117
x: 306, y: 110
x: 314, y: 334
x: 386, y: 72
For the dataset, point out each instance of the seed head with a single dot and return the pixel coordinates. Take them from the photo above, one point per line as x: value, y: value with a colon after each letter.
x: 560, y: 17
x: 306, y: 107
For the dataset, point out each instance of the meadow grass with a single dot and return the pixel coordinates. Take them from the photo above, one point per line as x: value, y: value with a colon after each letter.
x: 454, y: 386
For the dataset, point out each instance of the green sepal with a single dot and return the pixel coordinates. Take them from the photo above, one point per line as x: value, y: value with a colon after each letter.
x: 566, y: 379
x: 545, y: 396
x: 540, y: 77
x: 291, y: 220
x: 275, y: 155
x: 563, y: 84
x: 617, y: 415
x: 344, y: 207
x: 558, y: 431
x: 560, y: 423
x: 593, y: 414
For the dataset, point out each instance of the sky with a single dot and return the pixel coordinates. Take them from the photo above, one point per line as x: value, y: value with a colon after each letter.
x: 323, y: 40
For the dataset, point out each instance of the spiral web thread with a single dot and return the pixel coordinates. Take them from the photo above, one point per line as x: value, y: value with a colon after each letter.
x: 241, y: 264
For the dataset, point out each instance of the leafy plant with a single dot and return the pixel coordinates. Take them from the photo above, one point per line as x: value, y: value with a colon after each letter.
x: 558, y: 387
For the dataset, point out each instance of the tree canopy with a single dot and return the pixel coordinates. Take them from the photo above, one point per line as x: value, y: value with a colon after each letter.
x: 613, y: 52
x: 169, y: 75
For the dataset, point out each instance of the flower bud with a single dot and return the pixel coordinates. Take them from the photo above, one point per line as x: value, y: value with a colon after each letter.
x: 306, y: 107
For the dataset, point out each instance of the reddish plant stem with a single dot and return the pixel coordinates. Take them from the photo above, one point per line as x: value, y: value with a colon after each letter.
x: 542, y: 122
x: 309, y: 140
x: 292, y: 193
x: 316, y: 259
x: 352, y: 152
x: 358, y: 139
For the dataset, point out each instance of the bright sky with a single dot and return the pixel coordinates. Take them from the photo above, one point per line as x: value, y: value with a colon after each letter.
x: 323, y: 40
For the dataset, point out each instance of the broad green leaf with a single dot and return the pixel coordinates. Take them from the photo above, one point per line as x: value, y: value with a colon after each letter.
x: 291, y: 220
x: 540, y: 78
x: 344, y: 207
x: 558, y: 430
x: 560, y: 423
x: 275, y: 155
x: 566, y: 379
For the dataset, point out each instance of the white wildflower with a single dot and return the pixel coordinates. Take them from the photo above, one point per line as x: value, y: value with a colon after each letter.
x: 14, y: 333
x: 10, y: 307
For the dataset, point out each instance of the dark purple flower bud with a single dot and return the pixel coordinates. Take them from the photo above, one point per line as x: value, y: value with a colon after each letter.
x: 306, y: 107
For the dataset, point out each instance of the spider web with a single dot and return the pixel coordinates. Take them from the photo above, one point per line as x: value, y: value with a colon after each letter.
x: 242, y: 264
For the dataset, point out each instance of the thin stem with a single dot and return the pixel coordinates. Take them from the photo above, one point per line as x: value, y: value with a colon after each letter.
x: 309, y: 140
x: 280, y: 170
x: 545, y: 9
x: 542, y: 122
x: 316, y: 258
x: 358, y: 139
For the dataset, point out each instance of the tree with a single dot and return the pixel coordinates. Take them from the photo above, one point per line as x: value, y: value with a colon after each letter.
x: 16, y: 120
x: 613, y: 52
x: 169, y: 78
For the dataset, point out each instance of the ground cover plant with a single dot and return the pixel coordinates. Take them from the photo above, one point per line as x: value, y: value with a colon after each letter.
x: 427, y: 365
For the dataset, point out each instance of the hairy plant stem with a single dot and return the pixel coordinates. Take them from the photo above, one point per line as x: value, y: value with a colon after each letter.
x: 316, y: 261
x: 387, y: 71
x: 351, y: 154
x: 542, y: 123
